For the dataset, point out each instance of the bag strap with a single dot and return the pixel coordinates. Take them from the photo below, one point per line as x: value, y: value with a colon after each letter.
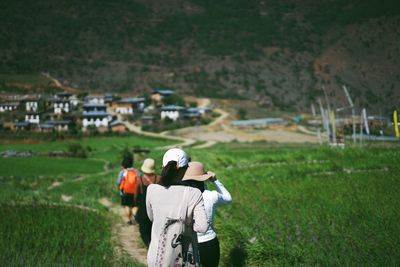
x: 183, y: 207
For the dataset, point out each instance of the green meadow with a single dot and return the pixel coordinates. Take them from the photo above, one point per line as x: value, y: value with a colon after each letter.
x: 49, y: 235
x: 308, y: 206
x: 292, y: 205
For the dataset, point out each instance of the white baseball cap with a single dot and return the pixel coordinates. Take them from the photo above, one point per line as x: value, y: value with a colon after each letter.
x: 176, y: 154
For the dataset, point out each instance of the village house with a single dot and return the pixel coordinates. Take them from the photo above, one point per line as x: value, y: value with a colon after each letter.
x: 158, y: 95
x: 8, y: 106
x: 61, y: 106
x: 32, y: 117
x: 63, y: 95
x: 94, y: 107
x: 22, y: 126
x: 32, y: 105
x: 108, y: 99
x: 204, y: 110
x: 117, y: 127
x: 258, y: 123
x: 129, y: 105
x: 73, y: 99
x: 94, y: 99
x: 192, y: 114
x: 96, y: 118
x: 172, y: 112
x: 45, y: 128
x: 60, y: 125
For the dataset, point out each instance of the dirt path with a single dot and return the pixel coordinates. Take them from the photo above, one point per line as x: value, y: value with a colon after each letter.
x: 60, y: 85
x: 128, y: 236
x: 133, y: 128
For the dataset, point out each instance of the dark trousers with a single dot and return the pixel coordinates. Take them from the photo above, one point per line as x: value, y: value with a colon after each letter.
x: 209, y: 253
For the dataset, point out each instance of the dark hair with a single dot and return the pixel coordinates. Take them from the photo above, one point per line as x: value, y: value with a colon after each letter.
x: 127, y: 161
x: 196, y: 184
x: 170, y: 174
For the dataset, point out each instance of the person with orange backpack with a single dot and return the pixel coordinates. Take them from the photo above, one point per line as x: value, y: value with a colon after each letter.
x: 127, y: 180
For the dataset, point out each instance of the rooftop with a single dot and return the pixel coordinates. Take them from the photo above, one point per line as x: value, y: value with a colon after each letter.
x: 60, y: 122
x: 96, y: 114
x: 172, y: 107
x: 131, y: 100
x: 115, y: 123
x: 163, y: 92
x: 46, y: 126
x: 63, y: 94
x: 258, y: 122
x: 22, y: 124
x: 94, y: 105
x: 9, y: 104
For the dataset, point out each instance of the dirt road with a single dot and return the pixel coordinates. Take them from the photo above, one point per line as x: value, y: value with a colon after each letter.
x: 60, y: 85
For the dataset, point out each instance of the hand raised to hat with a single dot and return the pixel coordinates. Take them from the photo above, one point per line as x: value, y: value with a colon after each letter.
x: 213, y: 178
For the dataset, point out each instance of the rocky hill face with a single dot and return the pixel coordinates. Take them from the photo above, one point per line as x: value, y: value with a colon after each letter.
x: 279, y: 53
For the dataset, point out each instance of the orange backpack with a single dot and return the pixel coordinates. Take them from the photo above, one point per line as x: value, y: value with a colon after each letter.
x: 128, y: 184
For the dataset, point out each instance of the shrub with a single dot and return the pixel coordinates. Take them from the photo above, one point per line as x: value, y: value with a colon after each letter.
x: 76, y: 150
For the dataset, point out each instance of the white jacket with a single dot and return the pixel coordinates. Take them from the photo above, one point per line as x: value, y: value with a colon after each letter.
x: 211, y: 200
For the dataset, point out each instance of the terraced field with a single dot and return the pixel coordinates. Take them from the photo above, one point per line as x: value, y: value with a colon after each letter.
x: 292, y: 205
x: 308, y: 206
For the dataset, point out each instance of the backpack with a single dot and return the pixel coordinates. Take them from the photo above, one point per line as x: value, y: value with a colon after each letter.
x: 177, y: 245
x: 128, y: 183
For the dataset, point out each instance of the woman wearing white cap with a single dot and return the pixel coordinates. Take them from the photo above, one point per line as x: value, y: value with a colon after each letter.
x: 208, y: 242
x: 176, y: 211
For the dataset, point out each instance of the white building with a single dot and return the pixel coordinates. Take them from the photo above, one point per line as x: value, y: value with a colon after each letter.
x: 60, y: 126
x: 61, y: 106
x: 74, y: 100
x: 96, y: 118
x: 172, y: 112
x: 9, y: 106
x: 94, y: 107
x: 94, y: 99
x: 67, y: 97
x: 129, y: 105
x: 32, y: 118
x: 31, y: 105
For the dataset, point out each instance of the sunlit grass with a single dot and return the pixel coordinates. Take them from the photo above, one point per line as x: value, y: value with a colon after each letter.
x: 42, y: 235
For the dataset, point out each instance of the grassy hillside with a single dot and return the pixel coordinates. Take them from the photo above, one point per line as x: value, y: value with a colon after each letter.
x: 265, y: 50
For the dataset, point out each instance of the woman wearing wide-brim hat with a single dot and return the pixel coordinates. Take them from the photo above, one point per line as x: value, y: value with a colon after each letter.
x: 208, y: 242
x: 147, y: 178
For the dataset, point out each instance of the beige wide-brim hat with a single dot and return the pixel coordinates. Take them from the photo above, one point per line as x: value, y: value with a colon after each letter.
x: 196, y: 172
x: 148, y: 166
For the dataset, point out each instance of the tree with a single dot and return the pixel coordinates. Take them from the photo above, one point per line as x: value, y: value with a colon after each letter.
x: 174, y: 100
x: 242, y: 113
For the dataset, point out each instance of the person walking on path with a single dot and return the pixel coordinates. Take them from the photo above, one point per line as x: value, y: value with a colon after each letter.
x: 208, y: 241
x: 176, y: 211
x: 147, y: 178
x: 126, y: 181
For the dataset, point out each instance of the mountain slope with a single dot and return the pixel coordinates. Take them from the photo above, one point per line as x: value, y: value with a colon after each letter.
x: 279, y: 53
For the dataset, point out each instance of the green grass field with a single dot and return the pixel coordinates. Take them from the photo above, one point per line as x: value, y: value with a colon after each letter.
x: 45, y: 166
x: 43, y: 235
x: 292, y: 206
x: 308, y: 206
